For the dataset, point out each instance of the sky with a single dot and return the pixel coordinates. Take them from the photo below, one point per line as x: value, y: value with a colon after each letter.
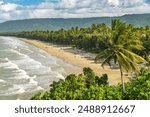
x: 26, y: 9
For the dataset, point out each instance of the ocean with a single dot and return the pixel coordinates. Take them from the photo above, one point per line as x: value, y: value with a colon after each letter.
x: 26, y: 69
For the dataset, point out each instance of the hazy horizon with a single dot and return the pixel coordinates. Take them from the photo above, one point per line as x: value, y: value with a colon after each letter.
x: 71, y: 18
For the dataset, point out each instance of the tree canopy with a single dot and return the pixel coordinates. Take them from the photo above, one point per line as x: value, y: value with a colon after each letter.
x: 76, y: 88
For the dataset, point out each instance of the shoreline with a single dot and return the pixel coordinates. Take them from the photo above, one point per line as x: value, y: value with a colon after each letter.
x: 76, y: 57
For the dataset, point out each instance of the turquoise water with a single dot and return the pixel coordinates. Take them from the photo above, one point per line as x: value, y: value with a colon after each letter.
x: 25, y: 69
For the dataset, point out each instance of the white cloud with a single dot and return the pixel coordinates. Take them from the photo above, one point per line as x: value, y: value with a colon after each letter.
x: 6, y: 7
x: 113, y: 2
x: 46, y: 5
x: 67, y: 4
x: 131, y: 3
x: 73, y: 9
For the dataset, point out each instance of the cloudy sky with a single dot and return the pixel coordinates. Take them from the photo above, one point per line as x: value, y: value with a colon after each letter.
x: 24, y: 9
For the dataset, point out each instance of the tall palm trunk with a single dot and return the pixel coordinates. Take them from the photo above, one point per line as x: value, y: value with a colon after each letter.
x: 122, y: 79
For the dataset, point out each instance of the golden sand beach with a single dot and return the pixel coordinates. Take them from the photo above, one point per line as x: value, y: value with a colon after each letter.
x: 78, y: 58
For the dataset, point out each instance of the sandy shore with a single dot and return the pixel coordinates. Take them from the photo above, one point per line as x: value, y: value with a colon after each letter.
x: 77, y: 58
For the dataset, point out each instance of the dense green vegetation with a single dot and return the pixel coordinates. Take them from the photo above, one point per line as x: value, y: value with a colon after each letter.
x: 57, y: 24
x: 97, y: 88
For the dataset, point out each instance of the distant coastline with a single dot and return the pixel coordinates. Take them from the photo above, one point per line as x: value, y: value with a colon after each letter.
x: 77, y: 58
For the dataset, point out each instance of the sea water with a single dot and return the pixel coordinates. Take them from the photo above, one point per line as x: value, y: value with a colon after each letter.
x: 26, y: 69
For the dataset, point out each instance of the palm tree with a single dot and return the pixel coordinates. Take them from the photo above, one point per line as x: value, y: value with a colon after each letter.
x: 119, y: 49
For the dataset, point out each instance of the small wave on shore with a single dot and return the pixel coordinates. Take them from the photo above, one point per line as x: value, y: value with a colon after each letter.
x: 2, y: 80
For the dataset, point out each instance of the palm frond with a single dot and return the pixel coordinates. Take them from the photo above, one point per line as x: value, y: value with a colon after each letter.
x: 133, y: 44
x: 134, y: 57
x: 103, y: 55
x: 107, y: 60
x: 124, y: 61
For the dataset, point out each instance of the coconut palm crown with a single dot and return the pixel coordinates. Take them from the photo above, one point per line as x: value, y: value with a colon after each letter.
x: 119, y: 49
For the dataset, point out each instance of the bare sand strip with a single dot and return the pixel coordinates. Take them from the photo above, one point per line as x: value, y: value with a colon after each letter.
x: 77, y: 58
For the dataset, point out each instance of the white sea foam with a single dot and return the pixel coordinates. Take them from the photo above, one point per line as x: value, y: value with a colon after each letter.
x: 46, y: 70
x: 6, y: 59
x: 9, y: 64
x: 31, y: 81
x: 60, y: 76
x: 2, y: 80
x: 34, y: 77
x: 17, y: 52
x: 28, y: 63
x: 29, y: 50
x: 34, y: 62
x: 21, y: 74
x: 20, y: 91
x: 39, y: 88
x: 42, y: 56
x: 13, y: 43
x: 16, y: 89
